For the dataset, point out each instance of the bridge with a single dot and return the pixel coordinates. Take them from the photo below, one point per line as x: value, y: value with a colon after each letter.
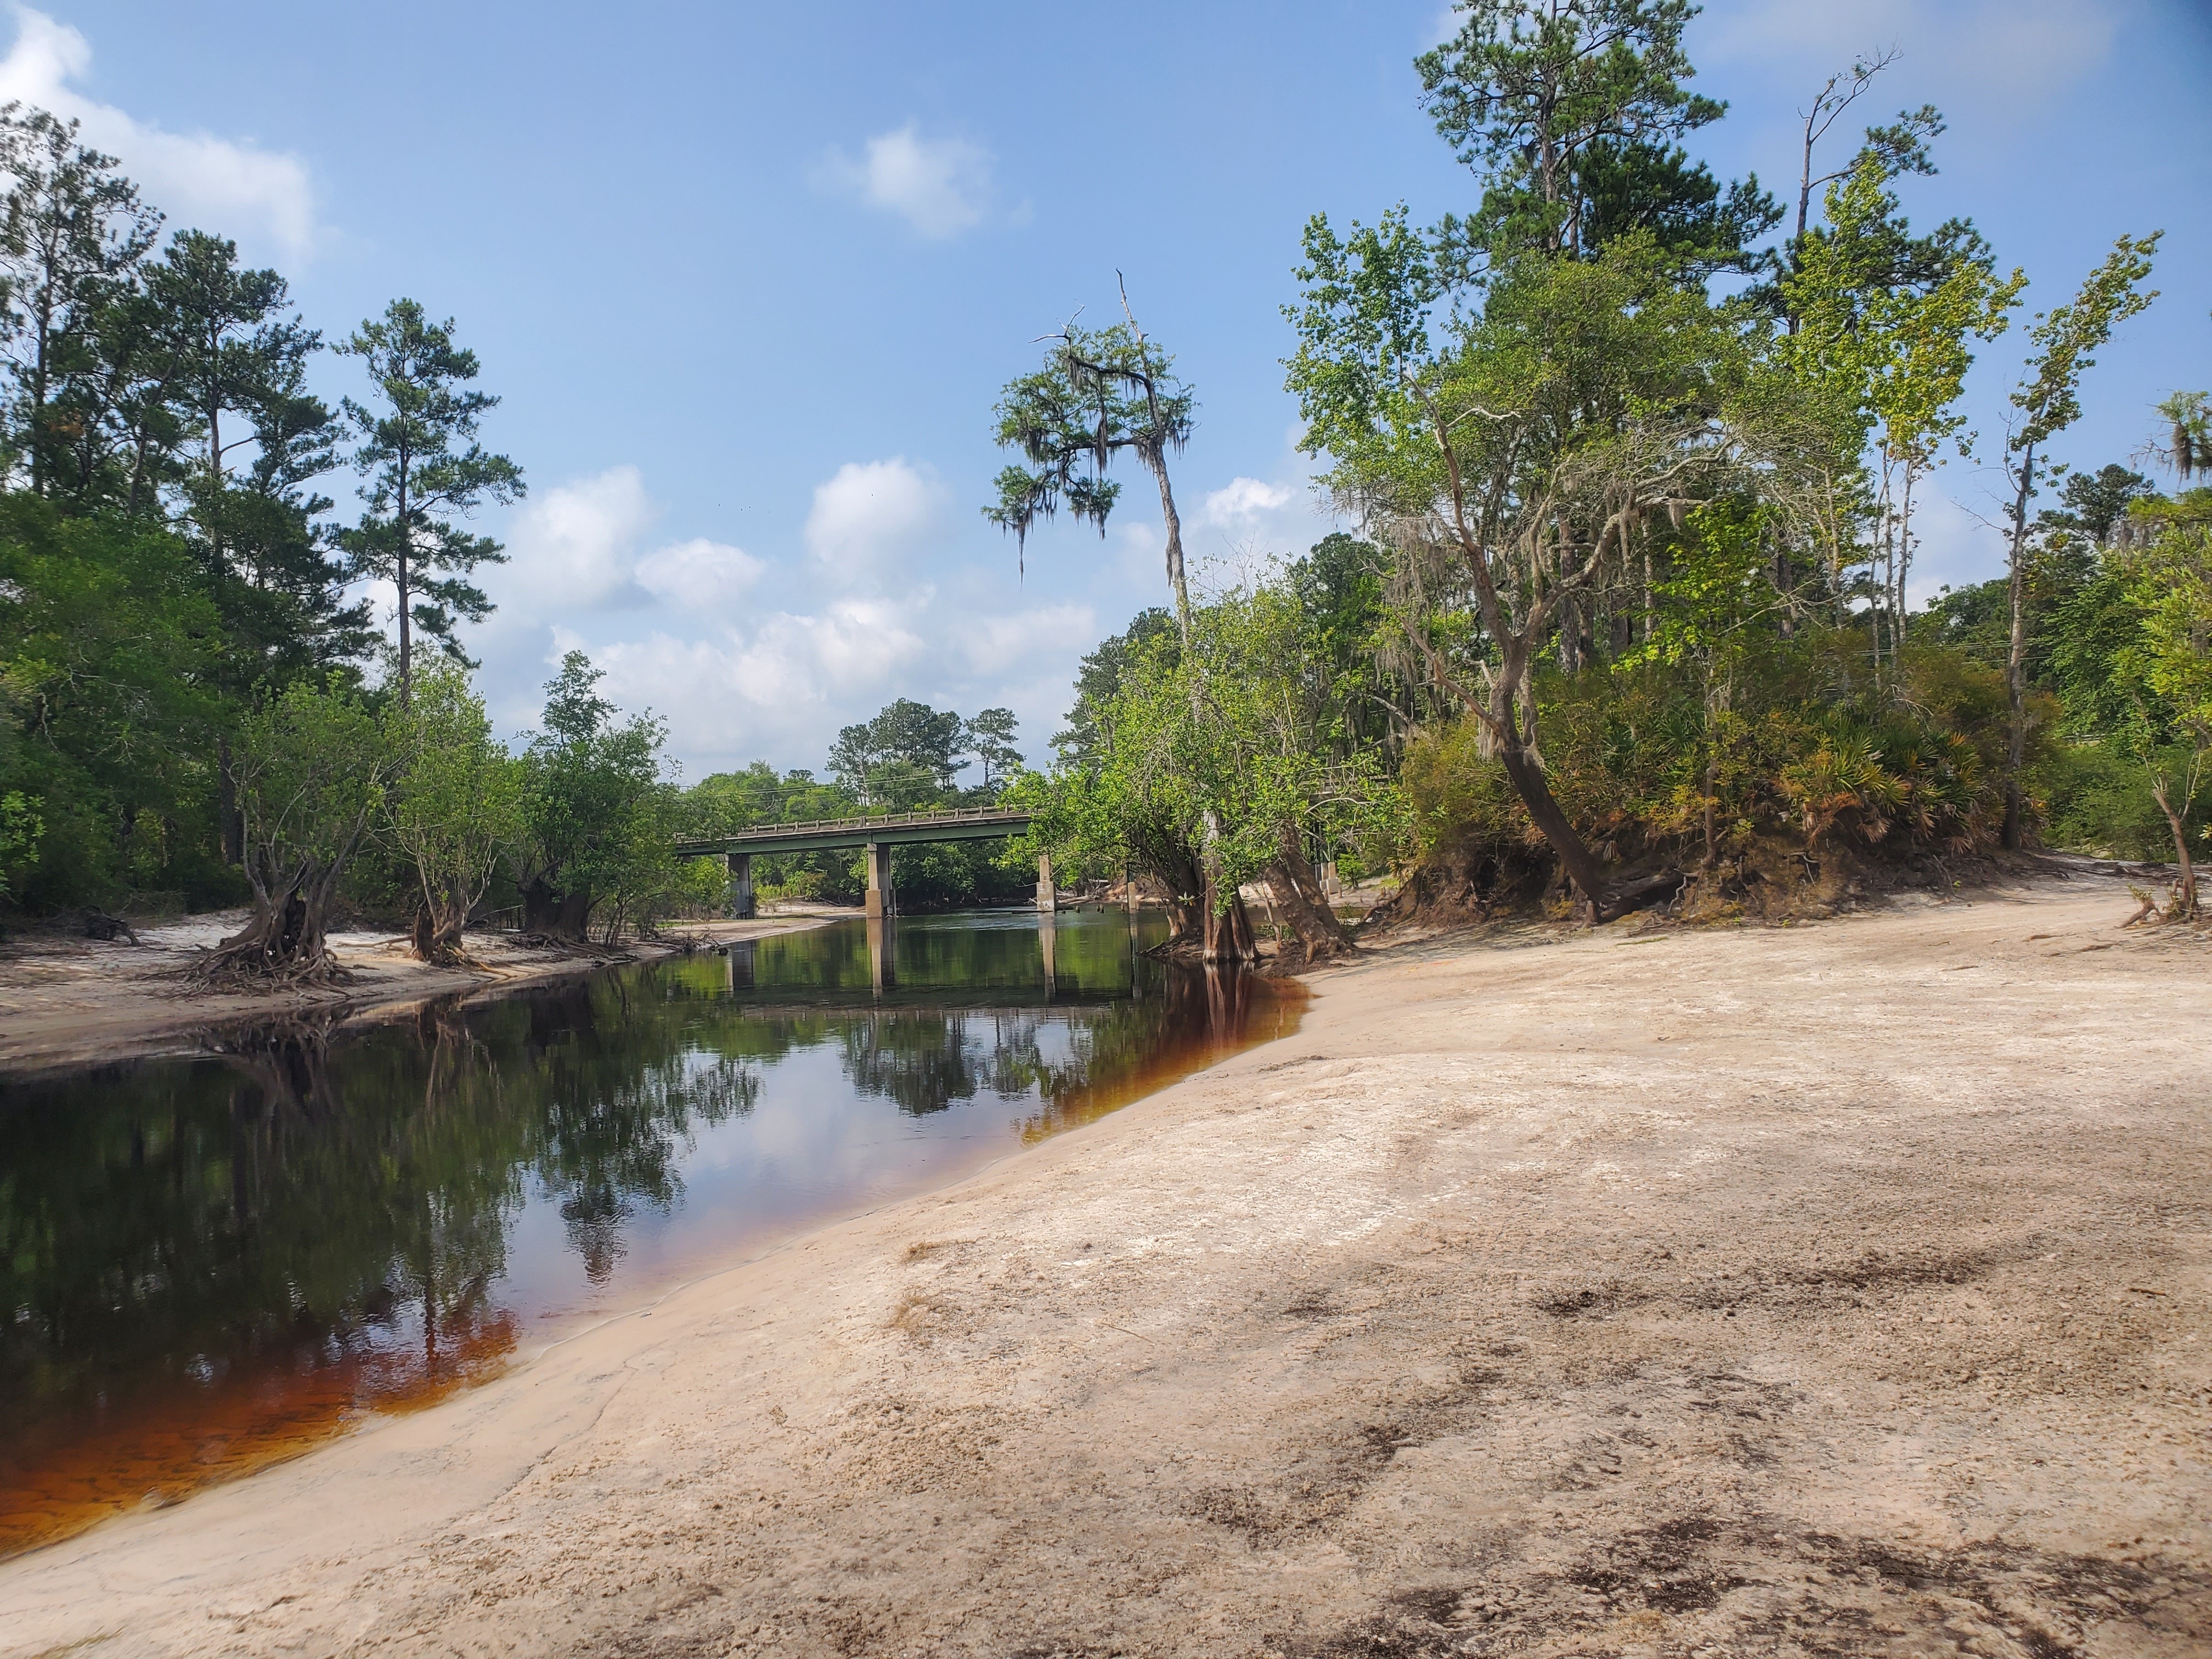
x: 878, y: 832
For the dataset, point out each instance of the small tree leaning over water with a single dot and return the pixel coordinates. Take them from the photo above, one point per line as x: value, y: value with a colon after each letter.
x: 454, y: 809
x: 313, y: 765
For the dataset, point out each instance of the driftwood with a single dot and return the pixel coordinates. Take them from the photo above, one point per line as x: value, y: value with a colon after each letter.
x: 99, y: 925
x: 1622, y: 897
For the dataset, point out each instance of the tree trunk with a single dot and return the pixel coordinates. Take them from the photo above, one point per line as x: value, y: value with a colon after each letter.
x: 2184, y: 908
x: 1298, y: 894
x: 230, y: 822
x: 2016, y: 658
x: 284, y: 943
x: 1228, y: 929
x: 437, y: 930
x: 555, y: 914
x: 1525, y: 768
x: 1711, y: 811
x: 1581, y: 864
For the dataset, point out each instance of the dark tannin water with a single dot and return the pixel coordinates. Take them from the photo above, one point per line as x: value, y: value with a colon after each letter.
x: 212, y: 1261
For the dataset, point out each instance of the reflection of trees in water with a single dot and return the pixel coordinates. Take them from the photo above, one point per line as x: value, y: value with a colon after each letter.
x: 1126, y: 1047
x: 295, y: 1205
x: 613, y: 1144
x: 921, y: 1062
x: 295, y: 1211
x: 926, y: 1060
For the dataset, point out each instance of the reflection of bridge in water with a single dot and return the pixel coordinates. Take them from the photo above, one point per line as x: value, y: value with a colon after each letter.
x: 739, y: 957
x: 878, y: 833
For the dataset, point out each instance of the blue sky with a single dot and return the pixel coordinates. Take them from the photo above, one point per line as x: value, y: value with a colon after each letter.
x: 748, y: 277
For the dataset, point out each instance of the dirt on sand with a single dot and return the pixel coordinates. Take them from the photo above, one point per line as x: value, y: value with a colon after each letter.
x: 1825, y: 1290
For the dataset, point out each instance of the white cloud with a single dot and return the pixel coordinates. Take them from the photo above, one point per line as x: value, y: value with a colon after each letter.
x: 939, y: 186
x: 230, y: 186
x: 579, y: 546
x: 1242, y: 501
x: 699, y: 575
x: 993, y: 645
x: 780, y: 686
x: 576, y: 546
x: 871, y: 514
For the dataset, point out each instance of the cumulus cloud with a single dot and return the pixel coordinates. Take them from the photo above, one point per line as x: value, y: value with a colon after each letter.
x: 576, y: 544
x: 871, y: 514
x: 580, y: 546
x: 780, y: 685
x: 232, y: 186
x: 992, y: 645
x: 1244, y: 500
x: 774, y: 673
x: 939, y: 186
x: 698, y: 575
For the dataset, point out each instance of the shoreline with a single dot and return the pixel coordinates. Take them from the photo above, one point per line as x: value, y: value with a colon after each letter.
x: 1534, y: 1297
x: 67, y: 1004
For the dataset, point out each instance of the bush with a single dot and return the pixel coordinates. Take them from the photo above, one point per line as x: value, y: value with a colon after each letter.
x: 2098, y: 801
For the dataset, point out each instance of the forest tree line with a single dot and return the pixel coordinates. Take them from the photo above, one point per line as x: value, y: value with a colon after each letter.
x: 1637, y: 463
x: 200, y: 705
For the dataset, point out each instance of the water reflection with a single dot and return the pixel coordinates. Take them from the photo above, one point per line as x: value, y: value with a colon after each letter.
x: 205, y: 1261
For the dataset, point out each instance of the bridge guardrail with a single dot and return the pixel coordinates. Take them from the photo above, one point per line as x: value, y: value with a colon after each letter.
x: 867, y: 821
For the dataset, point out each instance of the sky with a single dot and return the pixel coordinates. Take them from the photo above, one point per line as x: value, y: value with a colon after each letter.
x: 748, y: 277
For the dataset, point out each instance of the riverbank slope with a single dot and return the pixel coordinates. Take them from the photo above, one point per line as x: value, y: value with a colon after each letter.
x: 67, y: 1002
x: 1830, y: 1289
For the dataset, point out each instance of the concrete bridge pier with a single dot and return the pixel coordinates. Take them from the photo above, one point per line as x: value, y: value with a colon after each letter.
x: 740, y: 866
x: 738, y: 960
x: 1047, y: 895
x: 879, y: 903
x: 882, y: 944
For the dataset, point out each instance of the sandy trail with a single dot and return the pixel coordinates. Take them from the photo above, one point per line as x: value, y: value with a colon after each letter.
x: 1818, y: 1291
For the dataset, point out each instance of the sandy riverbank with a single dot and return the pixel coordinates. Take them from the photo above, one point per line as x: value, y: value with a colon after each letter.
x: 75, y: 1001
x: 1836, y: 1289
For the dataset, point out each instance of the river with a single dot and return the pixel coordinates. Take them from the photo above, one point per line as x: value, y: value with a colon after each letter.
x: 215, y: 1261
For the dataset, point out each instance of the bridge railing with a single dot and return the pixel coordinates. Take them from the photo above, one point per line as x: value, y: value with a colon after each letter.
x: 866, y: 821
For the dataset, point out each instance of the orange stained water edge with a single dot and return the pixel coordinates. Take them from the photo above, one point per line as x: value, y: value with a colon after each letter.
x: 159, y: 1451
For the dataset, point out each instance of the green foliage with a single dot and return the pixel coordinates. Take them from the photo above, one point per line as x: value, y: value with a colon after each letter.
x: 1569, y: 113
x: 21, y: 830
x: 108, y: 712
x: 2165, y: 671
x: 2098, y: 800
x: 1100, y: 392
x: 456, y: 805
x: 1099, y: 678
x: 1225, y: 750
x: 990, y: 735
x: 1807, y: 748
x: 902, y: 760
x: 314, y: 767
x: 598, y: 841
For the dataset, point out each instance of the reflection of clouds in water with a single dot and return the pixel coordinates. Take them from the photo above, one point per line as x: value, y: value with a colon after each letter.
x: 859, y: 1108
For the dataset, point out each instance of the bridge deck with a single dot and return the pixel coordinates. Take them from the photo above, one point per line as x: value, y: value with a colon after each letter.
x: 884, y: 828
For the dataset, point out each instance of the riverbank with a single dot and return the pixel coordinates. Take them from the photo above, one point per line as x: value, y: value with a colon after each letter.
x: 1827, y: 1289
x: 69, y: 1002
